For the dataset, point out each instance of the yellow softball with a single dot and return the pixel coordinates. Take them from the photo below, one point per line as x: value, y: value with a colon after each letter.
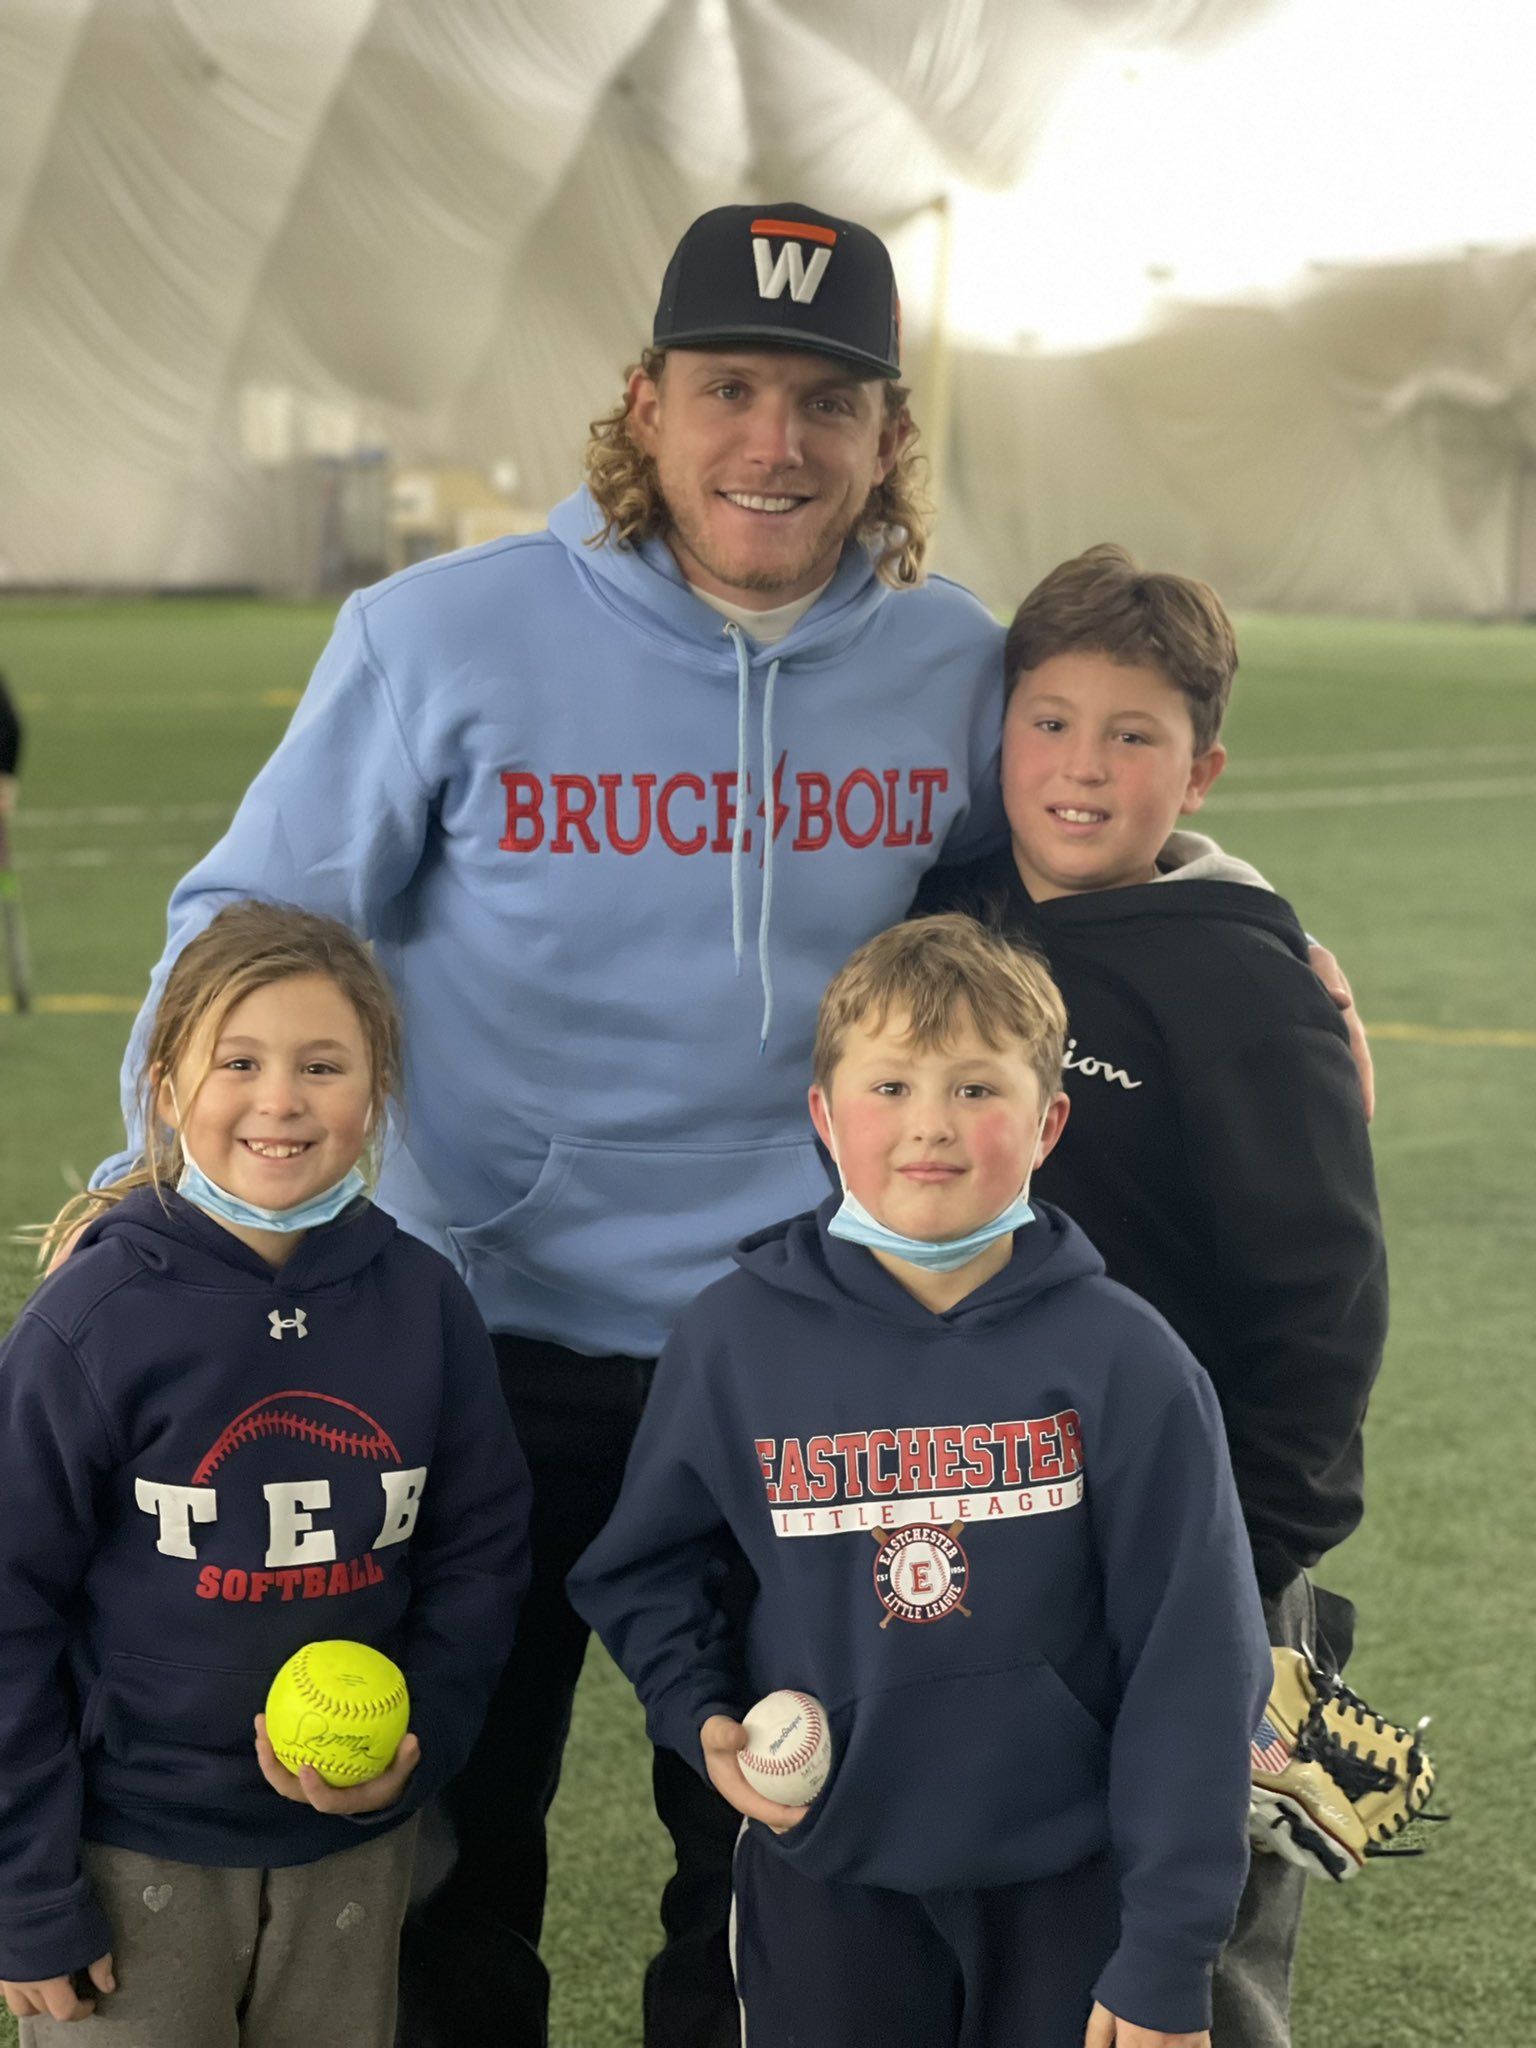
x: 341, y: 1707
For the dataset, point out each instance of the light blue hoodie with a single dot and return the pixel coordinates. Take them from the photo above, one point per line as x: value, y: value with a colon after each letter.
x: 515, y: 769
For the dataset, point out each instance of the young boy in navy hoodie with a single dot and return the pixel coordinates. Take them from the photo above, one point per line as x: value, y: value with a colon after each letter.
x: 986, y: 1503
x: 1217, y: 1155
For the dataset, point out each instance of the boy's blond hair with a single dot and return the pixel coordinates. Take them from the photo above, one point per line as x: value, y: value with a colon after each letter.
x: 623, y: 481
x: 1102, y: 603
x: 937, y: 971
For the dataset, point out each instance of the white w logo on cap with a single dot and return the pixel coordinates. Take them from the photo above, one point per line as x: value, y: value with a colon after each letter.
x: 791, y: 267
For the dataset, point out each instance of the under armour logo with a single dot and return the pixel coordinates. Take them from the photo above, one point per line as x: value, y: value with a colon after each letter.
x: 791, y: 267
x: 295, y: 1322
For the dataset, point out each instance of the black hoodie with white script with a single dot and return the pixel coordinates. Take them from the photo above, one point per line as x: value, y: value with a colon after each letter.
x: 1217, y: 1155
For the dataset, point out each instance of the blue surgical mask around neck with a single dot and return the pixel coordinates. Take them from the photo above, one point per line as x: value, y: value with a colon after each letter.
x: 854, y: 1224
x: 194, y: 1186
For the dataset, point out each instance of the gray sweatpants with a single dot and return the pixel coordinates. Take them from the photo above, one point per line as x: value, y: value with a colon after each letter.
x: 303, y: 1957
x: 1251, y: 1992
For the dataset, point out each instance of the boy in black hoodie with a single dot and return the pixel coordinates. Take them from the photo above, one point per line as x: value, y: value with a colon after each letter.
x: 989, y: 1516
x: 1217, y: 1153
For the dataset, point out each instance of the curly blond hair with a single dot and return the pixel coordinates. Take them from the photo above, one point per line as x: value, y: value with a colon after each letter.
x: 623, y: 480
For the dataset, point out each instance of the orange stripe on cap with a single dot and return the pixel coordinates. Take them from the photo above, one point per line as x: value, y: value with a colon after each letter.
x: 802, y: 230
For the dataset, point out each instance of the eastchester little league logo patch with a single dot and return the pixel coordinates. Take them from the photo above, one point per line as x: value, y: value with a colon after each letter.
x: 921, y: 1574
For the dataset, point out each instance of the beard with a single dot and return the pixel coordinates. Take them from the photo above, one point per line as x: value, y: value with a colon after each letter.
x: 764, y: 571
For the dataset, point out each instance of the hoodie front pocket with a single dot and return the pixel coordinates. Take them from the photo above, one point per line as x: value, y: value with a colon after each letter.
x: 178, y: 1728
x: 640, y: 1227
x: 972, y: 1780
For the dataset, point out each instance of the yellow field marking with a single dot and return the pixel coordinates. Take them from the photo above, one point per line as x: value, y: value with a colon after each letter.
x: 1376, y: 1031
x: 71, y: 703
x: 79, y: 1006
x: 1449, y: 1034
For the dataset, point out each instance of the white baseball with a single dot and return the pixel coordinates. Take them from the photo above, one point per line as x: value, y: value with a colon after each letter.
x: 789, y: 1748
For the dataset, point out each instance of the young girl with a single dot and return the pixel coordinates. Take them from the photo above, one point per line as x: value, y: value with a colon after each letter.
x: 246, y: 1413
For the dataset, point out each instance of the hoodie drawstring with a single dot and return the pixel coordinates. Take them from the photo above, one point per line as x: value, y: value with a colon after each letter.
x: 738, y: 640
x: 770, y: 809
x: 738, y: 836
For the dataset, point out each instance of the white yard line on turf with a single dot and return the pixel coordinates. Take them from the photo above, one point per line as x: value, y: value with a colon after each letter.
x: 108, y: 857
x: 130, y: 814
x: 1360, y: 796
x: 1398, y: 757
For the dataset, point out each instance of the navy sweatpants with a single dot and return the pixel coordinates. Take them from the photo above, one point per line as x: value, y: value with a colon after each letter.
x: 847, y: 1966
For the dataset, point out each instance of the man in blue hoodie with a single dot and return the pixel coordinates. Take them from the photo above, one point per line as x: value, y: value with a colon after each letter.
x: 540, y: 775
x: 612, y: 801
x: 985, y: 1501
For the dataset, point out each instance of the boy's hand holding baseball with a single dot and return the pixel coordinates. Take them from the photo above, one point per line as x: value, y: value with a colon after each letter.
x: 308, y: 1788
x: 1105, y: 2031
x: 723, y: 1740
x: 55, y: 1998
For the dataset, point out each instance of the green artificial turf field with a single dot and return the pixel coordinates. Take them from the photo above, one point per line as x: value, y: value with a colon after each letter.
x: 1383, y: 777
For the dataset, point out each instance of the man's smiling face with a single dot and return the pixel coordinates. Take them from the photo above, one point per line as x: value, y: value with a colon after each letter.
x: 767, y: 458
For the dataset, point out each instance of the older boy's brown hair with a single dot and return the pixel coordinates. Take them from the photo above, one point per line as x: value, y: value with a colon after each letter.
x: 937, y: 971
x: 1102, y: 603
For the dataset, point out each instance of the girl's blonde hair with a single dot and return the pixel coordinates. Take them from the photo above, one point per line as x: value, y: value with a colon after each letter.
x: 622, y: 478
x: 248, y: 946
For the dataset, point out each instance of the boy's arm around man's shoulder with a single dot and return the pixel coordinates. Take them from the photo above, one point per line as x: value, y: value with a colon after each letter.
x: 649, y: 1582
x: 1184, y: 1621
x: 1279, y: 1158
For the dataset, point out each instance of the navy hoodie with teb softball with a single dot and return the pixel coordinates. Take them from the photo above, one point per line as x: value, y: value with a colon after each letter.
x: 204, y: 1465
x: 1001, y: 1544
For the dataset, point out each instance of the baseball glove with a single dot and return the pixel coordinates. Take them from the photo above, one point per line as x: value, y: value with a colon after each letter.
x: 1333, y: 1782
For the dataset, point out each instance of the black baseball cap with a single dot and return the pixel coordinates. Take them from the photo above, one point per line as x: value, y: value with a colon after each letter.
x: 781, y: 275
